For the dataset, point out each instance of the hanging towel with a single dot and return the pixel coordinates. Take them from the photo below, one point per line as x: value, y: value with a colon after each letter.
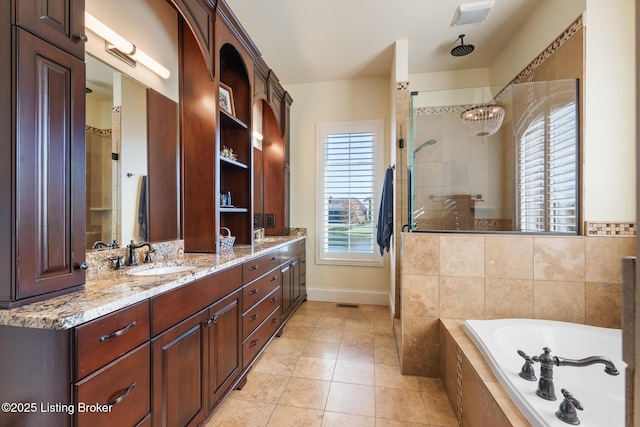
x: 143, y: 216
x: 385, y: 216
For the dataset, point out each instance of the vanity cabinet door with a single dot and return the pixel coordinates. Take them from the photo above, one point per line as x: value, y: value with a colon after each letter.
x: 179, y: 371
x: 60, y: 22
x: 225, y: 345
x: 50, y: 168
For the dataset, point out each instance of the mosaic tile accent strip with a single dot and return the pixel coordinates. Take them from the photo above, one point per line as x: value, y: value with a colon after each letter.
x: 446, y: 109
x: 96, y: 131
x: 116, y: 109
x: 402, y: 85
x: 550, y: 50
x: 623, y: 229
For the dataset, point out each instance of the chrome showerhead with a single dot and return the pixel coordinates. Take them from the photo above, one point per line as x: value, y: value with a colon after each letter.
x: 463, y: 49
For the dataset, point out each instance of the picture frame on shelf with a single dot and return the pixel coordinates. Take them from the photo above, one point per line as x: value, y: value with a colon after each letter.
x: 226, y: 99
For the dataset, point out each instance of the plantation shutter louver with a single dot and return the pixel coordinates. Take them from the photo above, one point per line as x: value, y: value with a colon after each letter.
x: 547, y: 181
x: 348, y: 201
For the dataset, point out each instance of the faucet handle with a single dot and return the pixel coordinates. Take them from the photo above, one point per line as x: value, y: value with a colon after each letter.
x: 527, y: 372
x: 567, y: 411
x: 147, y: 257
x: 118, y: 264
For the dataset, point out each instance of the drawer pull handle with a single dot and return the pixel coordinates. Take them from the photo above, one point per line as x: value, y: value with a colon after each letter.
x: 122, y: 396
x: 272, y: 258
x: 253, y: 343
x: 252, y: 318
x: 273, y: 278
x: 274, y: 299
x: 118, y: 332
x: 253, y: 267
x: 274, y: 321
x: 253, y: 292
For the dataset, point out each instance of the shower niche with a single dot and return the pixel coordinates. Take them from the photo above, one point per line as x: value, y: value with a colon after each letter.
x: 496, y: 159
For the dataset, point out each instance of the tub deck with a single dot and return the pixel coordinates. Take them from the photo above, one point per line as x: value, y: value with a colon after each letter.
x: 476, y: 396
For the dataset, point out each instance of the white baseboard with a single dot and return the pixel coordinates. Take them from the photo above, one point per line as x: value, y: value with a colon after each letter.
x: 348, y: 296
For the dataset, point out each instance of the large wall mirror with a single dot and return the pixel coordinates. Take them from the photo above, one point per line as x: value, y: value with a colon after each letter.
x: 116, y: 126
x: 496, y: 159
x: 132, y: 126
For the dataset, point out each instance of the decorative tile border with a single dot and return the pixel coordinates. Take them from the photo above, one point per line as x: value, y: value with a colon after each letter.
x: 402, y: 85
x: 96, y: 131
x: 610, y: 228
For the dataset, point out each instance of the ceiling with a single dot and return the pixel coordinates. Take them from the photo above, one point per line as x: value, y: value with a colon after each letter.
x: 307, y: 41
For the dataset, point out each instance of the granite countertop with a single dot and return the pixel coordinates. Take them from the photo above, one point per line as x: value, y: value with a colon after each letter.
x: 111, y: 290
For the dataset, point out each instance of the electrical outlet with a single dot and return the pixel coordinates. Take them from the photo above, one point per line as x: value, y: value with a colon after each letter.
x: 269, y: 220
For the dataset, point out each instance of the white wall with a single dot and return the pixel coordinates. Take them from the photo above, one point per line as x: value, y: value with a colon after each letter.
x: 365, y: 99
x: 152, y: 25
x: 610, y: 139
x: 98, y: 113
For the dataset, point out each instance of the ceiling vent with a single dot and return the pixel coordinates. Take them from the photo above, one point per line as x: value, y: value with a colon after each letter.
x: 472, y: 13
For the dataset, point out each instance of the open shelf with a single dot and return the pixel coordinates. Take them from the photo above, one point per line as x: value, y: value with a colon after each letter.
x: 227, y: 121
x: 233, y: 210
x: 235, y: 163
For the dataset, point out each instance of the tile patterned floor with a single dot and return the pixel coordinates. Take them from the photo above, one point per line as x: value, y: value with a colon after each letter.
x: 335, y: 367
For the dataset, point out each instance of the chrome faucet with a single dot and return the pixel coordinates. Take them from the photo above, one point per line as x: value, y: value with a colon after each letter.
x: 133, y: 260
x: 547, y: 362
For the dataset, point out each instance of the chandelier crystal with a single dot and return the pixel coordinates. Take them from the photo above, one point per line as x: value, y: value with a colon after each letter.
x: 483, y: 120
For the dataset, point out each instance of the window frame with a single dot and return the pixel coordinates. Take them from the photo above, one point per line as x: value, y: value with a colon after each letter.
x: 322, y: 255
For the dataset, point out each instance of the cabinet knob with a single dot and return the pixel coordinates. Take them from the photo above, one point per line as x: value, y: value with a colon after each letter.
x: 82, y: 37
x: 84, y: 266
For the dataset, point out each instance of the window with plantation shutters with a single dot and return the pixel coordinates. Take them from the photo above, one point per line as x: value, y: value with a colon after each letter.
x: 346, y: 192
x: 547, y: 172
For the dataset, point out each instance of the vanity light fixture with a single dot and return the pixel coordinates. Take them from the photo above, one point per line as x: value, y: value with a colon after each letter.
x: 122, y: 48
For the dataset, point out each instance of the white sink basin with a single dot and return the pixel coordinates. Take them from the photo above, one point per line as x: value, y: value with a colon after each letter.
x: 159, y: 270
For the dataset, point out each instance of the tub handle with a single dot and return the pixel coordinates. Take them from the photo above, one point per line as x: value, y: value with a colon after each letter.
x: 527, y: 372
x: 567, y: 411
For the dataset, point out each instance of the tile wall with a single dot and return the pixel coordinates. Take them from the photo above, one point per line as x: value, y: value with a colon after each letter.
x: 462, y: 276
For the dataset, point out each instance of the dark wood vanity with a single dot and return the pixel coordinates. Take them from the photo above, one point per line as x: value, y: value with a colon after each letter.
x: 165, y: 358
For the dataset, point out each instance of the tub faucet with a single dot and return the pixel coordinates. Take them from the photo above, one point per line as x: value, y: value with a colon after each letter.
x: 546, y: 389
x: 609, y: 368
x: 545, y: 384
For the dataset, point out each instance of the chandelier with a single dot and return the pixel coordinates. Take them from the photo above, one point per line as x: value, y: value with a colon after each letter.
x: 483, y: 120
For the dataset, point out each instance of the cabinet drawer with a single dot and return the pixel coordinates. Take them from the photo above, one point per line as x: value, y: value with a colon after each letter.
x: 174, y: 306
x: 121, y: 392
x: 256, y: 290
x: 254, y: 317
x: 255, y: 268
x: 292, y: 250
x: 257, y: 340
x: 107, y: 338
